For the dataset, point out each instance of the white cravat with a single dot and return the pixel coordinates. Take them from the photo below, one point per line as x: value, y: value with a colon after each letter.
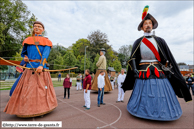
x: 148, y: 34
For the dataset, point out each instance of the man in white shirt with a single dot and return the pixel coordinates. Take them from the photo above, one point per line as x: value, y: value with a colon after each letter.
x: 79, y: 87
x: 120, y: 80
x: 101, y: 84
x: 112, y: 80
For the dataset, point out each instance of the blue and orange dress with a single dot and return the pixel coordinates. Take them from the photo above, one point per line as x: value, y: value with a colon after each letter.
x: 34, y: 94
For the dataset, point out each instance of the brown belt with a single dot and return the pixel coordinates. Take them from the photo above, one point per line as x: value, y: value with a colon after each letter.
x: 145, y: 63
x: 36, y: 60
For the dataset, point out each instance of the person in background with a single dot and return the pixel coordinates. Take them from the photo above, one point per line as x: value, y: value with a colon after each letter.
x: 117, y: 79
x: 79, y: 82
x: 109, y: 75
x: 87, y: 88
x: 92, y: 76
x: 112, y: 78
x: 120, y: 80
x: 59, y: 77
x: 9, y: 75
x: 190, y: 82
x: 101, y: 64
x: 15, y: 75
x: 67, y: 85
x: 101, y: 84
x: 83, y: 81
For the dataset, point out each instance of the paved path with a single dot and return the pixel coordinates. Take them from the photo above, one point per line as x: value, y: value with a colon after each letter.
x: 111, y: 115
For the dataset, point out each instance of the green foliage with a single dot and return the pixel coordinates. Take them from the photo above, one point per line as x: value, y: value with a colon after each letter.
x: 121, y: 58
x: 14, y: 26
x: 3, y: 67
x: 55, y: 51
x: 17, y: 56
x: 97, y: 40
x: 124, y: 54
x: 117, y: 65
x: 58, y: 62
x: 95, y: 61
x: 60, y: 49
x: 69, y: 59
x: 87, y: 64
x: 63, y: 75
x: 79, y: 48
x: 182, y: 63
x: 110, y: 57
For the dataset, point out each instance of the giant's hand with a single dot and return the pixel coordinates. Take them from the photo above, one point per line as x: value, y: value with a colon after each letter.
x: 39, y: 69
x: 136, y: 73
x: 26, y: 59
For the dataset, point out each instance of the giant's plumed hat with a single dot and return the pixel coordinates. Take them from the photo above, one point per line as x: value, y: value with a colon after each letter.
x: 145, y: 16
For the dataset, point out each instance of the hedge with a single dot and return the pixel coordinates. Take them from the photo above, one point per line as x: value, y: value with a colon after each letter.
x: 63, y: 75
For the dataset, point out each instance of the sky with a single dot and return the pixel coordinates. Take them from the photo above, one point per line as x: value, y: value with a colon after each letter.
x: 67, y: 21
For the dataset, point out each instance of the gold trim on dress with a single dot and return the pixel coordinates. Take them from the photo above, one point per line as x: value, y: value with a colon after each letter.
x: 129, y: 61
x: 35, y: 115
x: 149, y: 66
x: 137, y: 47
x: 134, y: 52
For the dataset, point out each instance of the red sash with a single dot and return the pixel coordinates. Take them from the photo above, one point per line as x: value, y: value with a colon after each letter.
x: 152, y: 48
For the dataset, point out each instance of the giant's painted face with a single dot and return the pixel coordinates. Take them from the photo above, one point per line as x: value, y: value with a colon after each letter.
x: 38, y: 29
x: 101, y: 53
x: 147, y: 26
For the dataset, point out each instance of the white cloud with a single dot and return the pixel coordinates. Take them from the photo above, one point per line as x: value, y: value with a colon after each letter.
x: 67, y: 21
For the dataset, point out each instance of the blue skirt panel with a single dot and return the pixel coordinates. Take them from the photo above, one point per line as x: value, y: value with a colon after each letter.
x: 154, y: 99
x: 14, y: 85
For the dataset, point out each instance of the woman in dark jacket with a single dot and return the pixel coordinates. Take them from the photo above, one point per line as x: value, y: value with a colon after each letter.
x: 67, y: 84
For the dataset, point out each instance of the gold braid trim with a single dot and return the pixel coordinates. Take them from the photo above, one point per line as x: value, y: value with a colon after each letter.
x: 188, y: 101
x: 149, y: 66
x: 137, y: 47
x: 134, y: 53
x: 129, y: 64
x: 35, y: 115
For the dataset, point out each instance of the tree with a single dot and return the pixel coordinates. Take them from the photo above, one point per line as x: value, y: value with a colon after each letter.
x: 60, y: 49
x: 117, y: 65
x: 122, y: 59
x: 124, y: 54
x: 52, y: 56
x: 69, y: 59
x: 55, y: 51
x: 3, y: 67
x: 14, y: 26
x: 110, y: 57
x: 95, y: 61
x: 17, y: 56
x: 87, y: 64
x: 79, y: 47
x: 182, y: 63
x: 58, y: 62
x: 97, y: 40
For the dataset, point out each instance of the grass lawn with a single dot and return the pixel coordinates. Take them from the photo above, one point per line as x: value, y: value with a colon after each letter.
x: 8, y: 85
